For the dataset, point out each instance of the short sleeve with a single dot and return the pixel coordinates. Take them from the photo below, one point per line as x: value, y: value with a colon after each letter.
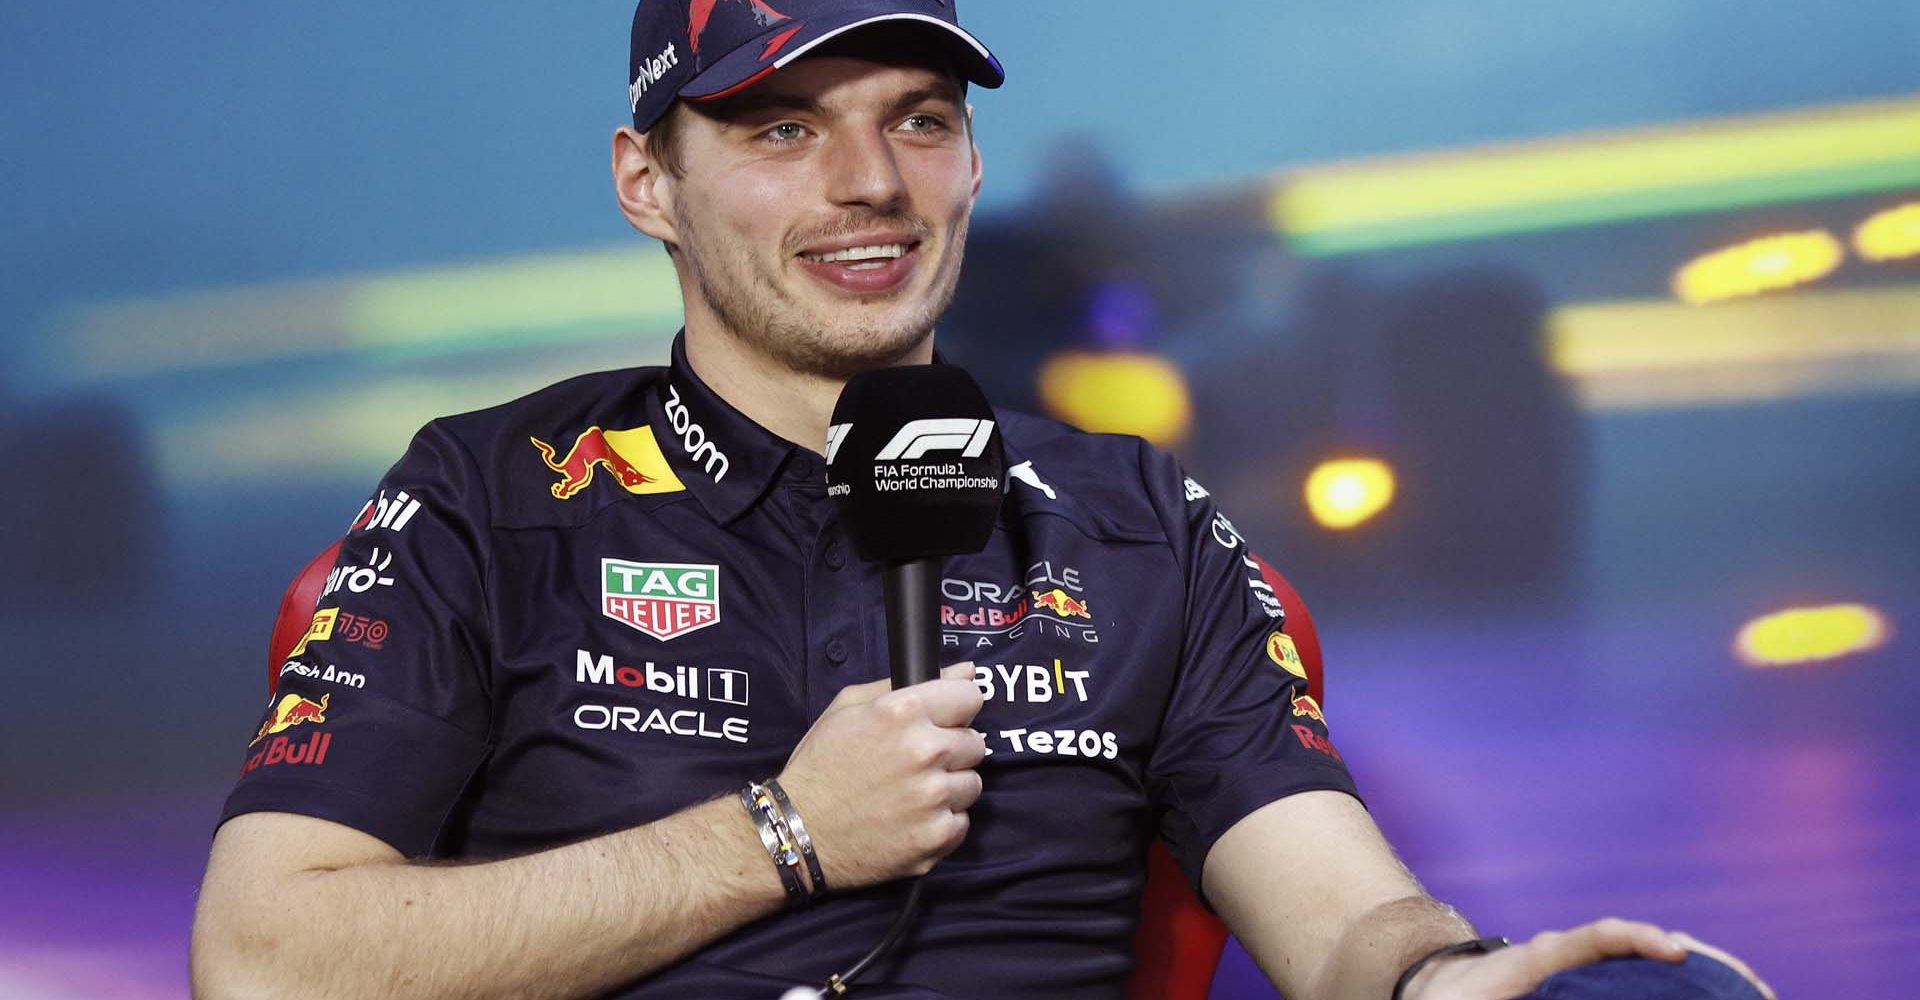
x: 1241, y: 728
x: 381, y: 713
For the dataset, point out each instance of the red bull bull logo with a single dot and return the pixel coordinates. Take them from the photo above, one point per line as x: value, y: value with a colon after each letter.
x: 293, y: 710
x: 1304, y: 706
x: 632, y: 456
x: 1061, y: 603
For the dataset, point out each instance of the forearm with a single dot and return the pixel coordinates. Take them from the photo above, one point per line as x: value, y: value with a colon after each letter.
x: 569, y: 922
x: 1372, y: 952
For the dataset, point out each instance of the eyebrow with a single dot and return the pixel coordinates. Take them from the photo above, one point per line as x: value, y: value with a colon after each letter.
x: 750, y: 103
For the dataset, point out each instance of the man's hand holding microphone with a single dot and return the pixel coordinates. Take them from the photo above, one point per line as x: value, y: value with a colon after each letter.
x: 885, y: 777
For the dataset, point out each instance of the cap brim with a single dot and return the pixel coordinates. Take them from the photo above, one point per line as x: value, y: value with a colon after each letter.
x: 746, y: 65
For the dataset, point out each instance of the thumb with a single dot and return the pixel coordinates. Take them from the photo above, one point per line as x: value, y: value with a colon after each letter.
x: 962, y: 671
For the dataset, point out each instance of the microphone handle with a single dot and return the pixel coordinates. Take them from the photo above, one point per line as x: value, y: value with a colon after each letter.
x: 913, y: 619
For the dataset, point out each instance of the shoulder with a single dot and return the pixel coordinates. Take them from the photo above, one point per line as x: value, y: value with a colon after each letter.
x: 511, y: 452
x: 1117, y: 480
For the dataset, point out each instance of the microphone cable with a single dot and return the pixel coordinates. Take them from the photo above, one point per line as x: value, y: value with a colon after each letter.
x: 838, y: 984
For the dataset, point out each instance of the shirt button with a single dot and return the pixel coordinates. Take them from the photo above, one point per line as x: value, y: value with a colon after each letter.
x: 801, y: 468
x: 834, y: 557
x: 837, y: 651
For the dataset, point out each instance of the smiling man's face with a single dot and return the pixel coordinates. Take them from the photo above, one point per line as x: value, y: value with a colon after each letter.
x: 821, y: 214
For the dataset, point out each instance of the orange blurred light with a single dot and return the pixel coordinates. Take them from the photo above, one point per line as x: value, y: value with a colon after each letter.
x: 1763, y: 265
x: 1346, y: 492
x: 1799, y: 636
x: 1889, y: 235
x: 1126, y: 392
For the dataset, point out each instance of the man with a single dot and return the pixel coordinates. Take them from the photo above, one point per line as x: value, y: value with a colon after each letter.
x: 605, y: 609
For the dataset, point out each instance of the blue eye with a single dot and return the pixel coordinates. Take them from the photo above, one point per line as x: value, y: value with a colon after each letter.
x: 786, y: 132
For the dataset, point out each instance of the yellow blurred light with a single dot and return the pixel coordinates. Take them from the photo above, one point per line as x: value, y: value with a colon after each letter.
x: 1799, y: 636
x: 1701, y: 166
x: 1655, y: 354
x: 622, y: 295
x: 1118, y: 393
x: 1762, y: 265
x: 1346, y: 492
x: 1889, y: 235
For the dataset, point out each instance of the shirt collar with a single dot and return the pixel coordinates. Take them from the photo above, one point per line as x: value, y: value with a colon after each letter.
x: 726, y: 459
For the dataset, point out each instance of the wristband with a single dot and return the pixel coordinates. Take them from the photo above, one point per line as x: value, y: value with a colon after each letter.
x: 799, y: 835
x: 777, y: 838
x: 1479, y: 946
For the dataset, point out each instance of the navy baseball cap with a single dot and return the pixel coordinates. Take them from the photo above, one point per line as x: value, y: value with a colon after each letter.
x: 707, y: 49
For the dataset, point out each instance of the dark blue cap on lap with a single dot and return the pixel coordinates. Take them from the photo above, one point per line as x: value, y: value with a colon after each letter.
x: 1698, y: 978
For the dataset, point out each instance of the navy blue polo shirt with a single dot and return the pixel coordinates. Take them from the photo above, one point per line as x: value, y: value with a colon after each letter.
x: 603, y: 602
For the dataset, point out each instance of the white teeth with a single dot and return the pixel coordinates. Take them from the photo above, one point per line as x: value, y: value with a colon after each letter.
x: 887, y: 251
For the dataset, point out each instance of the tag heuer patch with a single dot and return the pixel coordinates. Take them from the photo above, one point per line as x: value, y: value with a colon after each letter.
x: 664, y: 600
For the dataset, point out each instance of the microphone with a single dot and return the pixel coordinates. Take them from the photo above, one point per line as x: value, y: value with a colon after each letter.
x: 915, y: 465
x: 915, y: 462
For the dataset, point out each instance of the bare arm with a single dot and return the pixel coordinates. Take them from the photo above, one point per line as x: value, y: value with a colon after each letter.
x: 1312, y: 890
x: 299, y: 906
x: 294, y: 906
x: 1316, y: 895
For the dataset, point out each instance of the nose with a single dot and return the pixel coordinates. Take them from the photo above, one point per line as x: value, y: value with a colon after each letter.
x: 862, y: 170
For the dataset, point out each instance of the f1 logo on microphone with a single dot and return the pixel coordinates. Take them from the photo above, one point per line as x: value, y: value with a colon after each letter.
x: 836, y: 436
x: 962, y: 434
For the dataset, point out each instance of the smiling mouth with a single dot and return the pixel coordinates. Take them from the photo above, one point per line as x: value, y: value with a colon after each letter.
x: 868, y: 258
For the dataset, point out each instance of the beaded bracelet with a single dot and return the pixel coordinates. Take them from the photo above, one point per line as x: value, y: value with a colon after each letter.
x: 777, y: 837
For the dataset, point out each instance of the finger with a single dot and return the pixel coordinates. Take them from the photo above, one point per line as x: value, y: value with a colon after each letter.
x: 965, y: 750
x: 860, y: 694
x: 1692, y: 943
x: 1553, y: 952
x: 948, y: 701
x: 963, y: 790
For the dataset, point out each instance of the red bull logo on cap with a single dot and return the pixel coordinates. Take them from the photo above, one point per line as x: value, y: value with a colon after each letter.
x: 1062, y: 604
x: 293, y: 710
x: 632, y: 456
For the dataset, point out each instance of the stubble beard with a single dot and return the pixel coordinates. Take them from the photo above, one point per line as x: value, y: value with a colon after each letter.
x: 756, y: 309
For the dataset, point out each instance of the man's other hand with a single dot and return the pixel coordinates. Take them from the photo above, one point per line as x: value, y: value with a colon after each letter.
x: 1519, y: 970
x: 884, y: 778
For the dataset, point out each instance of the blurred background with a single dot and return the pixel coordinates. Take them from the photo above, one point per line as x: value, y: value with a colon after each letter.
x: 1565, y: 356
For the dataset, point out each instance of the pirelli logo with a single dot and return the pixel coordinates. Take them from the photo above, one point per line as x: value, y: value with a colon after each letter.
x: 664, y: 600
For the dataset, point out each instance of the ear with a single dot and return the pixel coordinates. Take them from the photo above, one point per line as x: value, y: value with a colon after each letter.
x: 643, y: 187
x: 975, y: 149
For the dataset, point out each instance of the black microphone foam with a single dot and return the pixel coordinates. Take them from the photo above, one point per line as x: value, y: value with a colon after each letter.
x: 914, y: 459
